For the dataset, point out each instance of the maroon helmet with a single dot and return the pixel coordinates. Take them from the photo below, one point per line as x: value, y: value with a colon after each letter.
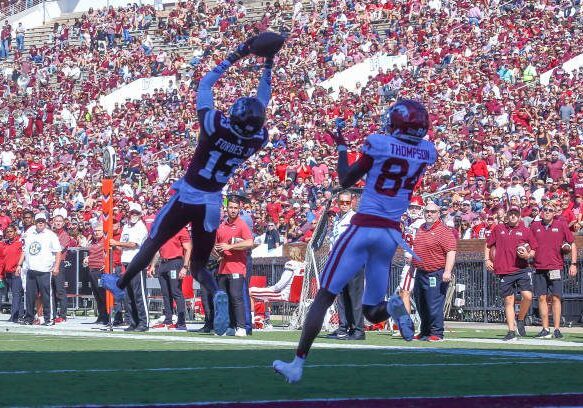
x: 406, y: 119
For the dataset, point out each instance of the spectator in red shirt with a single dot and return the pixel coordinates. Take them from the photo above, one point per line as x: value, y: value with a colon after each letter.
x: 478, y: 168
x: 510, y: 263
x: 10, y: 252
x: 173, y: 267
x: 233, y: 240
x: 551, y: 234
x: 4, y: 218
x: 95, y: 261
x: 59, y: 292
x: 555, y: 166
x: 436, y: 246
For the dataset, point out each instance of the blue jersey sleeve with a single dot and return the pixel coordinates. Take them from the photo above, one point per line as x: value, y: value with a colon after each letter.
x: 205, y: 98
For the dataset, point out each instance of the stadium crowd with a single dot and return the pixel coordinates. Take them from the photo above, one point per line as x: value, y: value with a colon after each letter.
x: 503, y: 137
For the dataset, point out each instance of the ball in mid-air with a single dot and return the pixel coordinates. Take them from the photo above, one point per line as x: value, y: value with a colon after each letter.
x: 267, y: 44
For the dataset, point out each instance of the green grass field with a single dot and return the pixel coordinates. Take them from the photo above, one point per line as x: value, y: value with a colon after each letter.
x: 115, y: 368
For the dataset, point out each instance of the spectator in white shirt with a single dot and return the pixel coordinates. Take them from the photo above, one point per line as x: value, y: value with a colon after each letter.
x: 41, y: 257
x: 132, y: 237
x: 7, y: 157
x: 281, y: 290
x: 515, y: 189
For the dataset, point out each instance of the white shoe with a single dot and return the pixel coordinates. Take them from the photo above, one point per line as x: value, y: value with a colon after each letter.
x: 240, y: 332
x: 290, y: 371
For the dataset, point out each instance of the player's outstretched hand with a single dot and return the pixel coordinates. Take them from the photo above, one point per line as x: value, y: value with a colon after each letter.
x: 241, y: 51
x: 338, y: 137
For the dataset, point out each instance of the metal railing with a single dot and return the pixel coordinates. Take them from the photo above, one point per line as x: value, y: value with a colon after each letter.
x: 18, y: 6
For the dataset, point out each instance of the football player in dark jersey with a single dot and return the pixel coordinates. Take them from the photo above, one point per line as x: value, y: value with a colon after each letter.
x: 223, y: 144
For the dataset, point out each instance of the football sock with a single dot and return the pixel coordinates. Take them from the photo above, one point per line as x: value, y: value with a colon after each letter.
x: 314, y: 320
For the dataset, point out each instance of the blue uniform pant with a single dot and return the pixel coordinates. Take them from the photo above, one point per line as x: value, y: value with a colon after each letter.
x: 362, y: 247
x: 430, y: 291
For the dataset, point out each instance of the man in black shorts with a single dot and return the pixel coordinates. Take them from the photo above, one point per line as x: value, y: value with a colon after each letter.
x: 511, y: 265
x: 224, y: 143
x: 551, y: 234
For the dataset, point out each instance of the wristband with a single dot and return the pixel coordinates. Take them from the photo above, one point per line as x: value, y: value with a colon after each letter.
x: 341, y: 148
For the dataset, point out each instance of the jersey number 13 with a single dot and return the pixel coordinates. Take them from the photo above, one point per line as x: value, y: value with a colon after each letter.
x: 220, y: 173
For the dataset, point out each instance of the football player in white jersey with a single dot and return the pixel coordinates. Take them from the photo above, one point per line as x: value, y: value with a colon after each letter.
x: 412, y: 222
x: 393, y: 163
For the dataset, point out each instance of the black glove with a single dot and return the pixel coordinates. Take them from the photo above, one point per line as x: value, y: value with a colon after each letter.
x: 241, y: 51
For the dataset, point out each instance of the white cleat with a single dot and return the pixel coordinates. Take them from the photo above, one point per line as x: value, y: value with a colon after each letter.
x: 290, y: 371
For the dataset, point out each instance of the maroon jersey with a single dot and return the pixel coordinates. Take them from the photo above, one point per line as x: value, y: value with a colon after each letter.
x: 550, y: 239
x: 506, y: 239
x: 220, y: 151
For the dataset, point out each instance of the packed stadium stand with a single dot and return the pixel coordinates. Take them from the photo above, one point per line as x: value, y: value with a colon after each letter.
x: 506, y: 134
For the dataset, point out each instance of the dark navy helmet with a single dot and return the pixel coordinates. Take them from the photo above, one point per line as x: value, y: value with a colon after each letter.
x: 247, y: 116
x: 406, y: 119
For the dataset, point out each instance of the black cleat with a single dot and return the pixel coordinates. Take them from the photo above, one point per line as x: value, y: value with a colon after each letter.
x: 520, y: 328
x: 510, y: 336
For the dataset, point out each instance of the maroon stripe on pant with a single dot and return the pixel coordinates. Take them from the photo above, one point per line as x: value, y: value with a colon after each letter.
x: 339, y: 256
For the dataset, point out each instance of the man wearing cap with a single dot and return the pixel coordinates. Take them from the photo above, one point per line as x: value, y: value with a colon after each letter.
x: 133, y: 235
x: 435, y: 245
x: 41, y: 258
x: 554, y: 166
x: 514, y: 245
x: 551, y: 234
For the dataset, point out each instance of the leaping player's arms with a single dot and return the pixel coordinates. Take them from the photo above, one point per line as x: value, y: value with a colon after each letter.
x: 205, y: 100
x: 349, y: 175
x: 264, y: 88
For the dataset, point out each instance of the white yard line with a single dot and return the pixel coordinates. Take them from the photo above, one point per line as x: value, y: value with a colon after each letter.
x: 91, y: 333
x: 254, y: 367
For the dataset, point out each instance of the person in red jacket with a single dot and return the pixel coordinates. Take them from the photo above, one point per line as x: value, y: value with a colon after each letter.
x: 478, y: 168
x: 10, y: 252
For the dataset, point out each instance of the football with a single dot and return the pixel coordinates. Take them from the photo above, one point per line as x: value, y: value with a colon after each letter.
x: 566, y: 248
x: 267, y: 44
x: 523, y: 247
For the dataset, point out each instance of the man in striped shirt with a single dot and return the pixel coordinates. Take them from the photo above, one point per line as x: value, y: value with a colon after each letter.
x: 435, y: 244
